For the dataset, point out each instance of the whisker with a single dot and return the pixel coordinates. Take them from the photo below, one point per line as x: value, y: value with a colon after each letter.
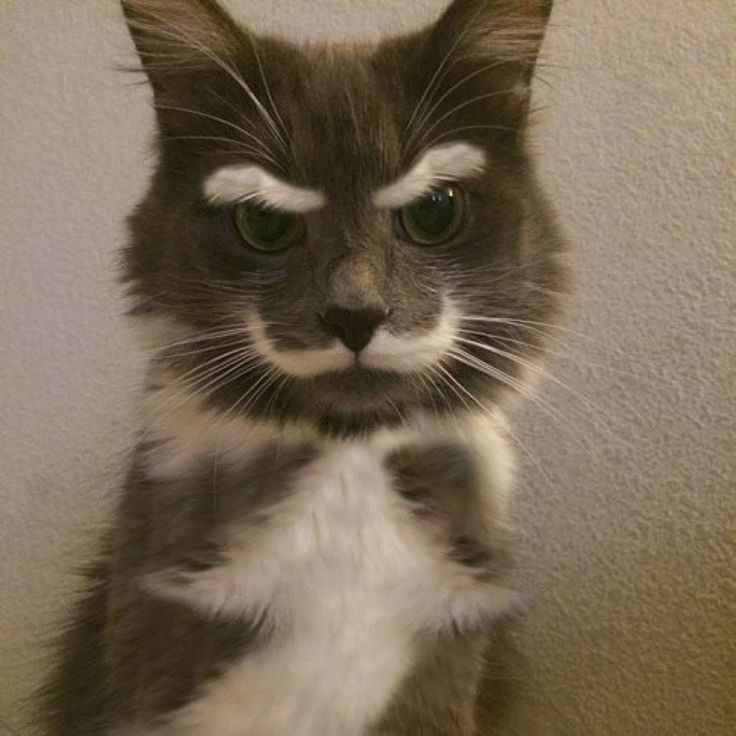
x: 286, y: 379
x: 506, y: 428
x: 459, y: 107
x: 454, y: 385
x: 484, y: 367
x: 516, y: 359
x: 536, y: 326
x: 240, y: 359
x: 463, y: 128
x: 502, y: 273
x: 214, y: 380
x: 432, y: 82
x: 180, y: 35
x: 205, y: 336
x: 266, y: 86
x: 218, y: 359
x: 474, y: 362
x: 439, y: 73
x: 253, y: 392
x: 215, y: 118
x: 557, y: 353
x: 246, y: 120
x: 229, y: 413
x: 199, y: 351
x: 592, y: 409
x: 429, y: 376
x: 428, y: 113
x: 240, y: 147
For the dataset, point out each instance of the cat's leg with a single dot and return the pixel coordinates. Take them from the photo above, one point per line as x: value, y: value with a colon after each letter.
x: 127, y: 665
x: 467, y: 685
x: 453, y: 502
x: 503, y: 679
x: 74, y: 698
x: 439, y: 695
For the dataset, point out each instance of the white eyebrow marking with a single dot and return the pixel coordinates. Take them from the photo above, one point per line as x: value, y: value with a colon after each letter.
x: 448, y: 162
x: 245, y: 182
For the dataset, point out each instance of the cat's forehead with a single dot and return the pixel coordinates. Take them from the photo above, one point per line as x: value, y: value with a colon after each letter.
x: 344, y: 121
x: 344, y: 124
x: 335, y: 120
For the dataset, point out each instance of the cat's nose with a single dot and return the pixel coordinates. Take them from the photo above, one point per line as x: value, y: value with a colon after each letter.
x: 355, y: 327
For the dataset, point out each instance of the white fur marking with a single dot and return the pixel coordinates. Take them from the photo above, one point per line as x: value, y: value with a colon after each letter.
x: 412, y: 354
x: 385, y: 351
x: 184, y: 432
x: 242, y: 183
x: 448, y: 162
x: 300, y: 363
x: 349, y: 580
x: 156, y: 331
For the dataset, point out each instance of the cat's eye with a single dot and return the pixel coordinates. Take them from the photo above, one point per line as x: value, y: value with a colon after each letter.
x: 265, y: 228
x: 435, y: 217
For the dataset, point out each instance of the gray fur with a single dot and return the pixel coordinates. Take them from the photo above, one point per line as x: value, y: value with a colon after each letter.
x: 347, y: 119
x: 441, y: 483
x: 345, y: 122
x: 131, y: 653
x: 438, y: 699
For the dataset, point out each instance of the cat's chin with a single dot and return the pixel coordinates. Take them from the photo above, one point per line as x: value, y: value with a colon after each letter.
x: 366, y: 385
x: 357, y: 399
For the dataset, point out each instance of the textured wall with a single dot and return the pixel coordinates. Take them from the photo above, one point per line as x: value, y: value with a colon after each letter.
x: 625, y: 506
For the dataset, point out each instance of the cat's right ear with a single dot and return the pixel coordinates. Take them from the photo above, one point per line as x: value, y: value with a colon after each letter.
x: 180, y: 41
x: 485, y: 50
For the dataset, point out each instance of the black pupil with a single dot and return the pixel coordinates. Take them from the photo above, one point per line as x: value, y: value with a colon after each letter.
x: 267, y: 226
x: 434, y: 213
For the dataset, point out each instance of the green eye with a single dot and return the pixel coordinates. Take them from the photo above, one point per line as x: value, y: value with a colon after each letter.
x: 267, y: 229
x: 434, y: 218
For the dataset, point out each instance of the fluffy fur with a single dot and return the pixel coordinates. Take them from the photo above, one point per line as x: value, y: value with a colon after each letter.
x: 451, y: 162
x: 311, y: 537
x: 234, y: 184
x: 346, y: 578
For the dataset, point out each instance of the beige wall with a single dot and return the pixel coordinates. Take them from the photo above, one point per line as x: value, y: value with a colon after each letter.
x: 626, y: 512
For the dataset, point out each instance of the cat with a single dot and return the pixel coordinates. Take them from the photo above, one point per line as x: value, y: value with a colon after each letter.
x: 343, y: 270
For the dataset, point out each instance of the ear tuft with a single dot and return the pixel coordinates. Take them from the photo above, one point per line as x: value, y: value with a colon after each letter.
x: 176, y: 37
x: 477, y: 63
x: 505, y: 31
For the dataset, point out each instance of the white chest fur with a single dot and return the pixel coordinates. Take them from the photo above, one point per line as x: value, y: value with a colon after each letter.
x: 348, y: 579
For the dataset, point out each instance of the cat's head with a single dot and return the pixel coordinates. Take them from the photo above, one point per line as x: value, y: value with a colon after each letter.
x: 343, y: 235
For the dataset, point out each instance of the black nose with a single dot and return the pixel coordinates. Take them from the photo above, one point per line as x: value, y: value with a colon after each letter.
x: 355, y: 327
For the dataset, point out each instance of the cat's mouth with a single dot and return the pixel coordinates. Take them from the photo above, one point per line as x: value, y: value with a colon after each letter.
x: 386, y: 352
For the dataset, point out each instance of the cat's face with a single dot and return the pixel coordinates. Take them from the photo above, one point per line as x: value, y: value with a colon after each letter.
x: 343, y: 236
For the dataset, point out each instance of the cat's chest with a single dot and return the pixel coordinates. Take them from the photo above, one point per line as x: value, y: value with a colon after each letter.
x: 349, y: 574
x: 349, y: 533
x: 343, y: 554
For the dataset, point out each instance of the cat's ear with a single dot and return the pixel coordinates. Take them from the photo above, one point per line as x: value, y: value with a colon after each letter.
x: 494, y: 42
x: 180, y: 40
x: 509, y: 31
